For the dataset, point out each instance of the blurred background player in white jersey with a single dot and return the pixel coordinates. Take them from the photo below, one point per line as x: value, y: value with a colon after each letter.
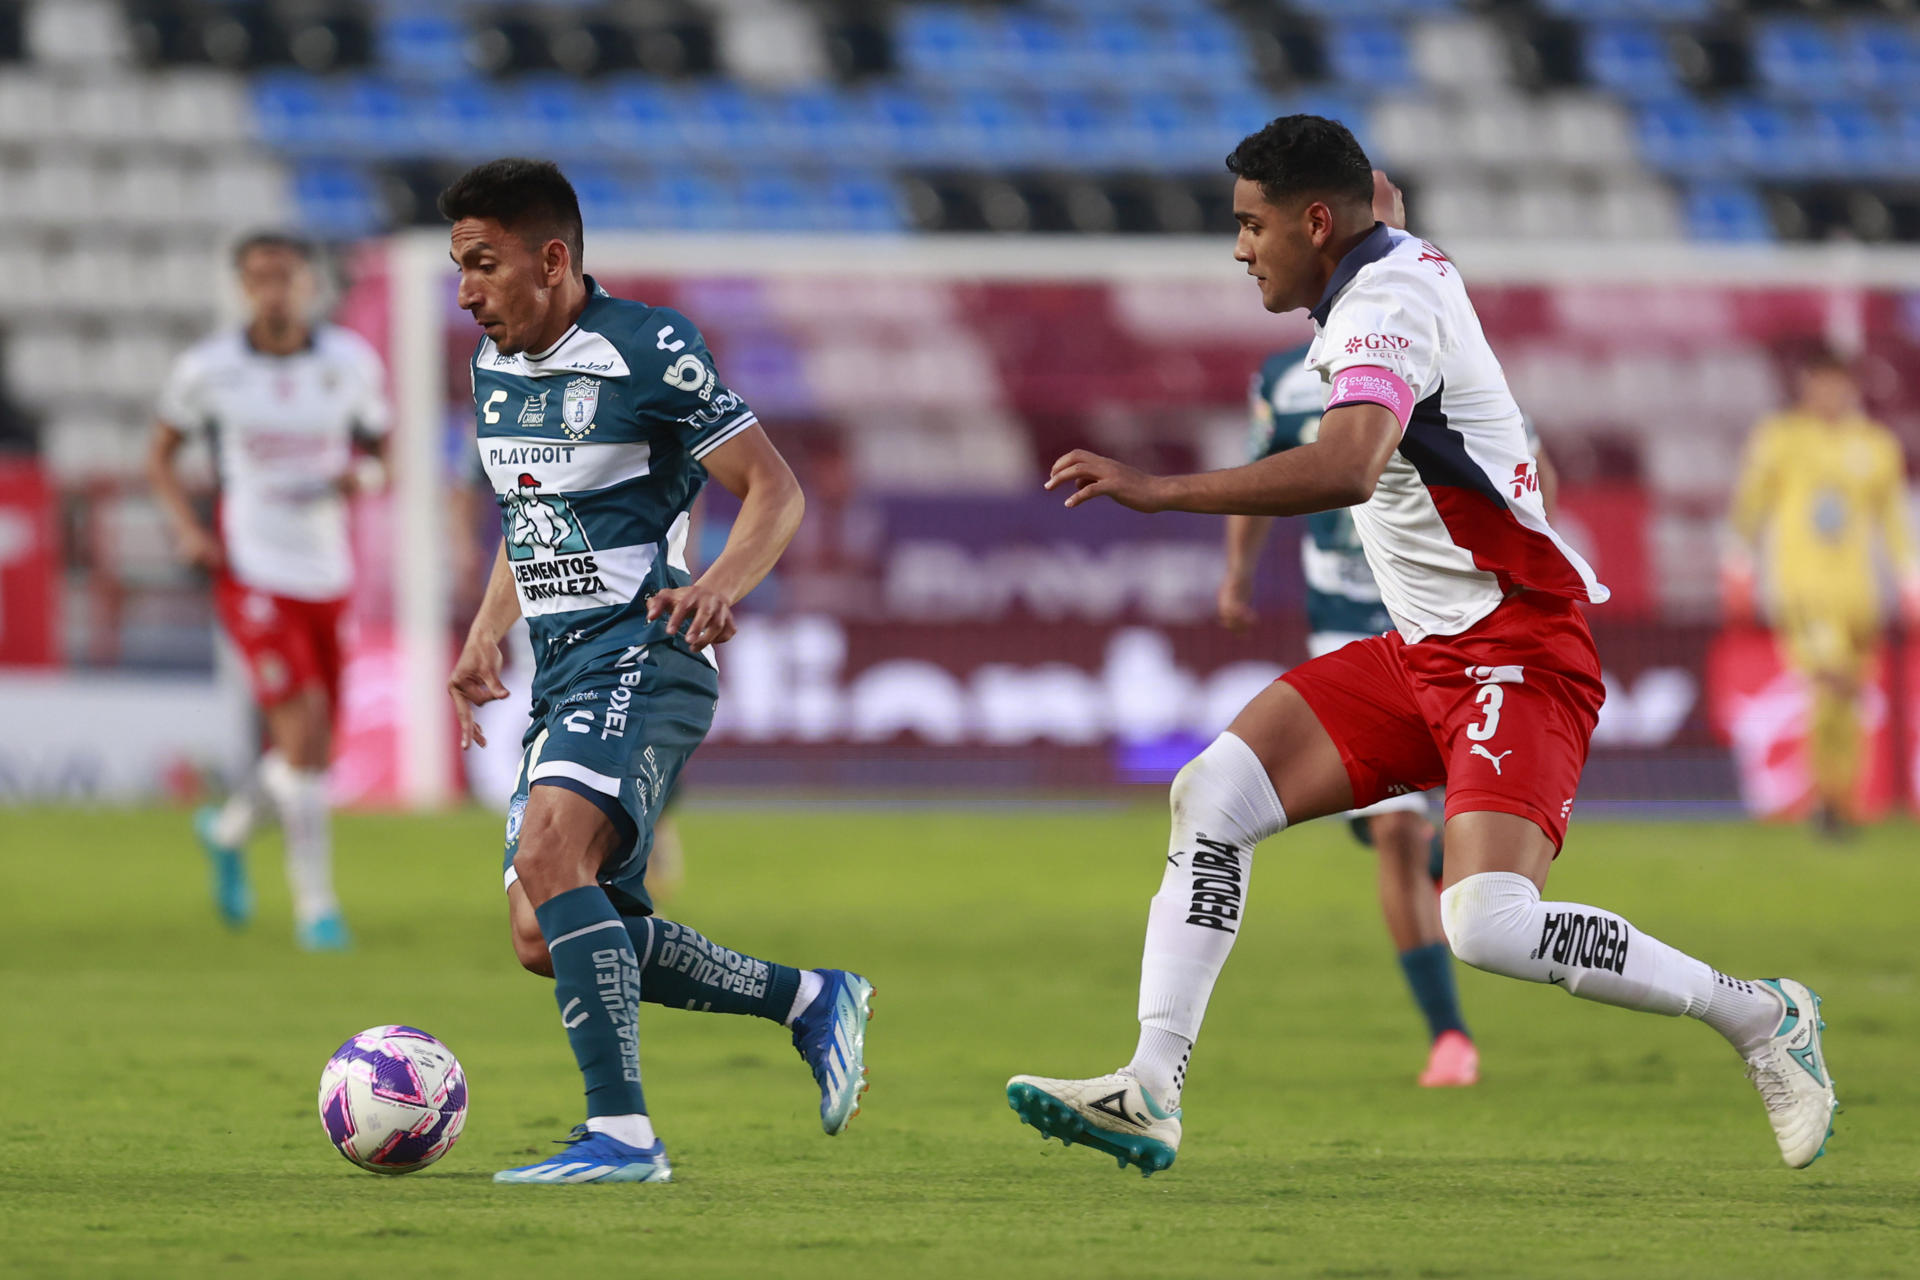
x: 284, y: 402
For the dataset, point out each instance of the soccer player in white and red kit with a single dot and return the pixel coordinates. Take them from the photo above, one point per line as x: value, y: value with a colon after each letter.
x: 285, y: 403
x: 1489, y: 682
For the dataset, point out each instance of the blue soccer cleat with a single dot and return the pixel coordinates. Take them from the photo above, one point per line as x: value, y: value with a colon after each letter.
x: 831, y: 1034
x: 327, y: 933
x: 232, y: 892
x: 595, y: 1157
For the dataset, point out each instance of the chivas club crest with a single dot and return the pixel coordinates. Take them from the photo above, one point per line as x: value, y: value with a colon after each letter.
x: 577, y: 406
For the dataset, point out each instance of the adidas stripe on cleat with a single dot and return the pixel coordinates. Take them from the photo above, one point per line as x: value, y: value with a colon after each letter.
x: 594, y: 1157
x: 1113, y: 1113
x: 831, y: 1035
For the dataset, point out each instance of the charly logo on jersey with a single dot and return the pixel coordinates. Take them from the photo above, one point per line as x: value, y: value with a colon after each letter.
x: 534, y: 412
x: 579, y: 401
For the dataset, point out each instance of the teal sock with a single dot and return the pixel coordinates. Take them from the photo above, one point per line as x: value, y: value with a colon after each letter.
x: 596, y: 981
x: 682, y: 970
x: 1429, y: 971
x: 1437, y: 856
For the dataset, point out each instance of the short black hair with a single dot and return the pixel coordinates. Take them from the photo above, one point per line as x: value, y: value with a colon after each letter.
x: 293, y: 244
x: 530, y: 198
x: 1821, y: 358
x: 1310, y: 156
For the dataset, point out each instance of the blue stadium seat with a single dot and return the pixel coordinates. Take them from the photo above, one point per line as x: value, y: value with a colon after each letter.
x: 293, y: 111
x: 1205, y: 49
x: 858, y: 200
x: 1800, y: 57
x: 1172, y: 132
x: 639, y: 116
x: 375, y: 117
x: 1905, y: 137
x: 772, y: 198
x: 1678, y: 136
x: 337, y: 201
x: 997, y: 130
x: 724, y: 121
x: 1727, y: 211
x: 1374, y: 8
x: 905, y: 126
x: 1883, y: 57
x: 607, y: 200
x: 818, y: 122
x: 1766, y: 139
x: 1034, y: 49
x: 684, y: 199
x: 421, y: 44
x: 943, y: 43
x: 1618, y: 10
x: 1369, y: 54
x: 466, y: 118
x: 556, y: 114
x: 1082, y: 131
x: 1629, y: 58
x: 1851, y: 140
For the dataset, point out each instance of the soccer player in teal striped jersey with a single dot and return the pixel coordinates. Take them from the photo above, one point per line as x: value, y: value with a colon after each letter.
x: 599, y: 420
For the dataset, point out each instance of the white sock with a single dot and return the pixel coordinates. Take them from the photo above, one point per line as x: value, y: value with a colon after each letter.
x: 634, y: 1130
x: 301, y: 797
x: 240, y: 816
x: 811, y: 985
x: 1223, y: 805
x: 1496, y: 921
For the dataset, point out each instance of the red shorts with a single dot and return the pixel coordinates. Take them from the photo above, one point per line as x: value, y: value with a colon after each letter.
x: 1500, y: 714
x: 288, y: 645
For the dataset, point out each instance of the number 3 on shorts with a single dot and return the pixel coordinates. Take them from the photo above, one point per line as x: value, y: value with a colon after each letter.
x: 1490, y: 697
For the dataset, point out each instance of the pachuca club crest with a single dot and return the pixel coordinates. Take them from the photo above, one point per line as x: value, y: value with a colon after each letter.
x: 578, y: 403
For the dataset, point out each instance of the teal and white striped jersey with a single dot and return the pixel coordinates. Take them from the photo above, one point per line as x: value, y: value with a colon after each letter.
x: 593, y: 448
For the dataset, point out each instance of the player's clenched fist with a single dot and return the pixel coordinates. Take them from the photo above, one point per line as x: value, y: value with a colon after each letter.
x: 475, y: 679
x: 705, y: 612
x: 1092, y: 476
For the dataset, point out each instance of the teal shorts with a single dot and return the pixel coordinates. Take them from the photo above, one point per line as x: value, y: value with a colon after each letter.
x: 618, y: 734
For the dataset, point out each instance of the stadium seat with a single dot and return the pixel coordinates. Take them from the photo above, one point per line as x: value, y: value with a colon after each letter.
x: 1617, y: 10
x: 1766, y: 139
x: 1369, y: 55
x: 863, y: 201
x: 1170, y: 132
x: 292, y: 111
x: 1468, y: 56
x: 1631, y: 59
x: 336, y: 200
x: 1726, y: 211
x: 1082, y: 131
x: 422, y: 44
x: 1679, y: 136
x: 372, y: 116
x: 1883, y: 57
x: 1852, y: 140
x: 724, y: 119
x: 1800, y: 57
x: 944, y: 43
x: 637, y: 116
x: 1374, y: 8
x: 904, y: 126
x: 995, y: 130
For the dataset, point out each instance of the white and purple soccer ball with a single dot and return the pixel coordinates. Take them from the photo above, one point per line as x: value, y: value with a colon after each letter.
x: 393, y: 1099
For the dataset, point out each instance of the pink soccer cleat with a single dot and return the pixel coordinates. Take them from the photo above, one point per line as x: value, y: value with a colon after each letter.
x: 1453, y: 1064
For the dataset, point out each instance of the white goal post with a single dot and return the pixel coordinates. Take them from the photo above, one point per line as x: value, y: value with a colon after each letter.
x: 421, y: 283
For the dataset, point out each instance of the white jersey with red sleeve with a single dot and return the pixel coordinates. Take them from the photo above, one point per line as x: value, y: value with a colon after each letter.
x: 1456, y: 522
x: 281, y: 429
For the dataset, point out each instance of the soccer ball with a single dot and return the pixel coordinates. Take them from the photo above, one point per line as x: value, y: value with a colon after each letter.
x: 393, y: 1099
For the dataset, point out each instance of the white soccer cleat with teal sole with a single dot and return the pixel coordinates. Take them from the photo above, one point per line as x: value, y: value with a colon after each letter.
x: 1790, y: 1071
x: 1114, y: 1114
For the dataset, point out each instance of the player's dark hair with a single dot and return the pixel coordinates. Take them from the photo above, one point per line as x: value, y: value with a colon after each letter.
x: 272, y: 240
x: 1310, y: 156
x: 530, y: 198
x: 1821, y: 358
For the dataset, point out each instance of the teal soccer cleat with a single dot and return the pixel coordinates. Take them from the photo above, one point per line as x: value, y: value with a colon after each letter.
x: 594, y: 1157
x: 232, y: 892
x: 327, y: 933
x: 831, y: 1034
x: 1790, y: 1071
x: 1114, y: 1114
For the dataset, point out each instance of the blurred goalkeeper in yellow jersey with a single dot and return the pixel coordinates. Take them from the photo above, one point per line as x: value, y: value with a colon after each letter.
x: 1821, y: 484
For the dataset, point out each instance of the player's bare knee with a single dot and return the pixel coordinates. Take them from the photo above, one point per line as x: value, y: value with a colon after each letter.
x: 1400, y: 837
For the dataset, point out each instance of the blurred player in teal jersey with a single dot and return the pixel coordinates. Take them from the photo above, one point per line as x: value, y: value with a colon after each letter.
x: 599, y: 420
x: 1343, y: 605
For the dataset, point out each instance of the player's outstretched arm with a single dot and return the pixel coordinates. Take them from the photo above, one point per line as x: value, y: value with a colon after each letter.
x: 1339, y: 469
x: 771, y: 504
x: 476, y: 673
x: 1246, y: 536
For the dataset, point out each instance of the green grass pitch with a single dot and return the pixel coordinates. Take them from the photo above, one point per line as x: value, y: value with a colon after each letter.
x: 159, y: 1074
